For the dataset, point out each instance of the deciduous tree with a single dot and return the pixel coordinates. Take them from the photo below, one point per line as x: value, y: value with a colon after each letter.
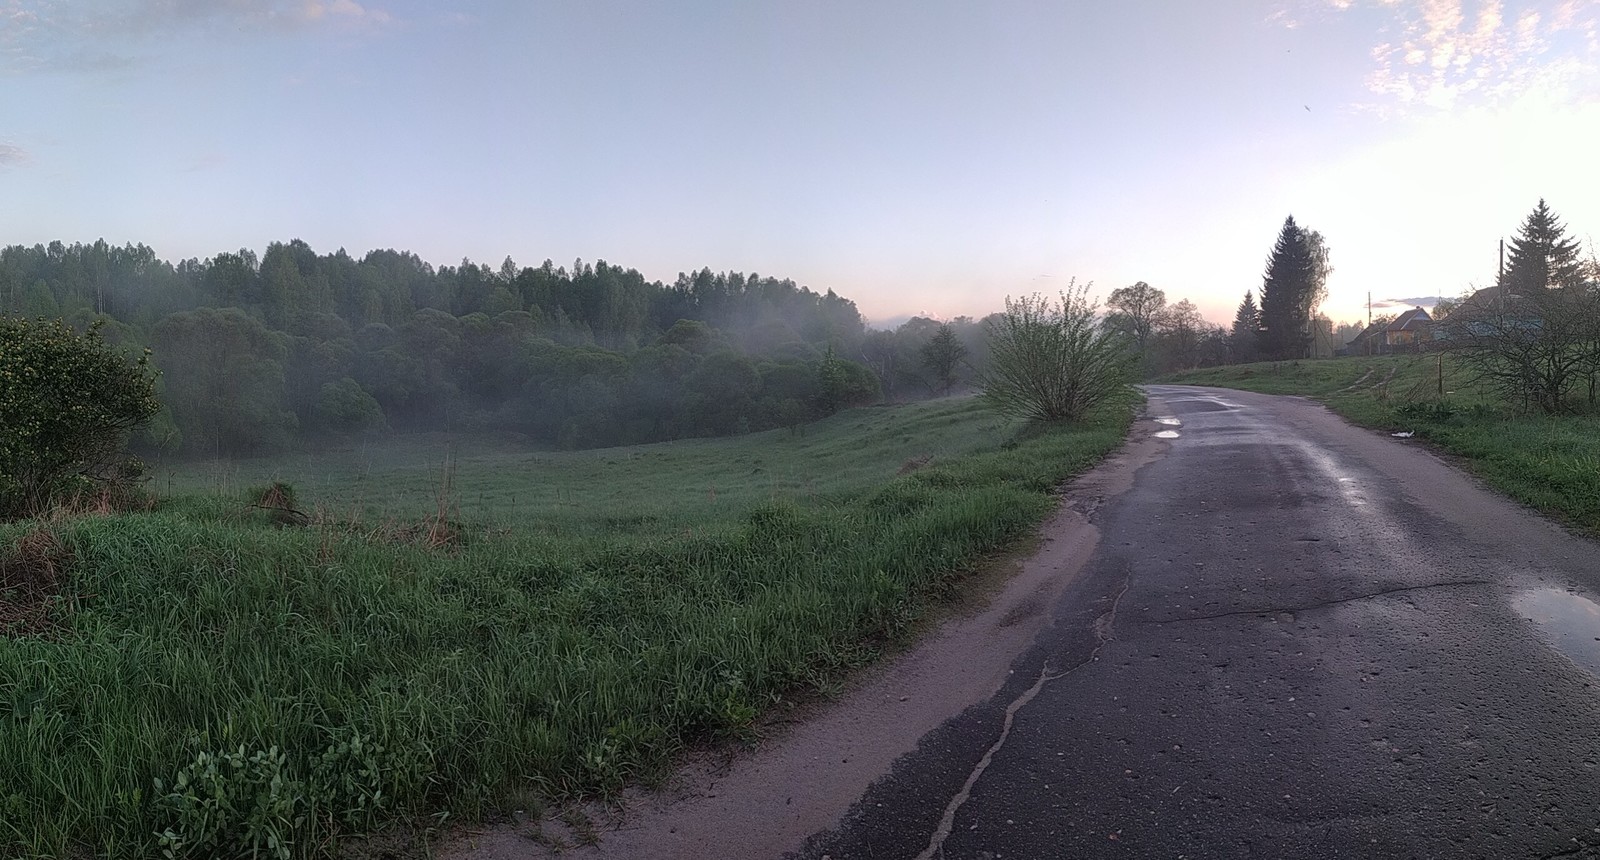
x: 1136, y: 309
x: 1535, y: 349
x: 942, y: 356
x: 1181, y: 328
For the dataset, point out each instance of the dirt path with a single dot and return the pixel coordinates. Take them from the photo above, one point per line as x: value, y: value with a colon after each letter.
x: 1357, y: 384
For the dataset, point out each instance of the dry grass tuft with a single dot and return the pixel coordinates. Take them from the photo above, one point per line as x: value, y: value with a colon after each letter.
x: 914, y: 464
x: 33, y: 571
x: 277, y: 499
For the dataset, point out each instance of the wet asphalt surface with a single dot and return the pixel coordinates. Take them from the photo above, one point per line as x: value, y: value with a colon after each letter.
x: 1295, y: 639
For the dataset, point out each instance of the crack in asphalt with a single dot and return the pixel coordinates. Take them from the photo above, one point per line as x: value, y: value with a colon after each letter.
x: 1103, y: 633
x: 1326, y: 603
x: 1581, y: 850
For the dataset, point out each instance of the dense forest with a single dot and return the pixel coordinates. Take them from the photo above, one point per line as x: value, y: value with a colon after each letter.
x: 262, y: 353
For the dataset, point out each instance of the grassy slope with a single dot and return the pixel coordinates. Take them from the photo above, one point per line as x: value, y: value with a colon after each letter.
x: 288, y: 686
x: 1549, y: 463
x: 693, y: 483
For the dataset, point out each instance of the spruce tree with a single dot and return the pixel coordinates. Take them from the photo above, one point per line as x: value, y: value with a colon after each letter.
x: 1541, y: 255
x: 1287, y: 292
x: 1246, y: 328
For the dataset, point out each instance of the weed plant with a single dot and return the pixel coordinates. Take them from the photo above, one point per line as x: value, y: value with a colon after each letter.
x: 227, y: 685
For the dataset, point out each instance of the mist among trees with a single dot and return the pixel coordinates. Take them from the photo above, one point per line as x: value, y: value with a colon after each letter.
x: 261, y: 353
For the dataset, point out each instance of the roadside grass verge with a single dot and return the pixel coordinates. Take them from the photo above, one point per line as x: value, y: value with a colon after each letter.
x: 1550, y: 463
x: 214, y: 684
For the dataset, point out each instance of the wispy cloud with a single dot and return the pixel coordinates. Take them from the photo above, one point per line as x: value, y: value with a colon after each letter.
x: 95, y: 35
x: 1449, y: 54
x: 1413, y: 302
x: 141, y: 16
x: 11, y: 155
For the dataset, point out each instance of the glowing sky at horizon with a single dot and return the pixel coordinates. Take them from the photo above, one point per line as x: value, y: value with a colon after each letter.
x: 917, y: 156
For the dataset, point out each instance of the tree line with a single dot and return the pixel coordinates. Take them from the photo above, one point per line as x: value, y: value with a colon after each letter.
x: 259, y: 353
x: 1533, y: 337
x: 1286, y: 325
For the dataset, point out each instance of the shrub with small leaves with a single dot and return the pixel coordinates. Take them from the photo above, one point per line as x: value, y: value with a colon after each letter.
x: 67, y: 402
x: 1054, y: 361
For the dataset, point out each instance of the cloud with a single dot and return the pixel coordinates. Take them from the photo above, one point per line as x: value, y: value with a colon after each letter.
x: 144, y: 16
x: 1414, y: 302
x: 94, y: 35
x: 345, y: 11
x: 12, y: 155
x: 1449, y: 54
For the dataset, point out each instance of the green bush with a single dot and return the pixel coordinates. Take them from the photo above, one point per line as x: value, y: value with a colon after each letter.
x: 345, y: 408
x: 1054, y: 361
x: 67, y: 402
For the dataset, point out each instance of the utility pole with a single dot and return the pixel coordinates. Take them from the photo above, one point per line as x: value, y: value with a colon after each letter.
x: 1502, y: 262
x: 1368, y: 332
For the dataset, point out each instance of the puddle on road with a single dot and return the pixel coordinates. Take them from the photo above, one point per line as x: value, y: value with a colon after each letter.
x: 1171, y: 422
x: 1567, y: 621
x: 1167, y: 434
x: 1202, y: 403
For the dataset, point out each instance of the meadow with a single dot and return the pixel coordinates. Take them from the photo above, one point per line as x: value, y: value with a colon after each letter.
x: 1548, y: 462
x: 443, y: 630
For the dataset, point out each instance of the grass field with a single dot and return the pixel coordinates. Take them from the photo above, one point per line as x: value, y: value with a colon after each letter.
x: 693, y: 483
x: 1551, y: 463
x: 465, y: 628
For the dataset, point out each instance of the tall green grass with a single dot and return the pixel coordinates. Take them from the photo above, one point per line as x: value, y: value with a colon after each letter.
x: 1551, y: 463
x: 220, y: 686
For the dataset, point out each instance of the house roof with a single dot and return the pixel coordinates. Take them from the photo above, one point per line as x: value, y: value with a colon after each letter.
x: 1369, y: 331
x: 1488, y: 294
x: 1491, y: 298
x: 1411, y: 320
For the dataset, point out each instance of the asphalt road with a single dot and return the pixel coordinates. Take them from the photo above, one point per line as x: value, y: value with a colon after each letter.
x: 1293, y: 639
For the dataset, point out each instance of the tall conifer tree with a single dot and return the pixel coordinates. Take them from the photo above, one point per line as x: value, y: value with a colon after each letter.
x: 1246, y: 328
x: 1287, y: 292
x: 1541, y: 256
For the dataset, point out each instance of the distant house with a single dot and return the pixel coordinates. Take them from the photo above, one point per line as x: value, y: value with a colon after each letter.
x: 1407, y: 333
x: 1499, y: 311
x: 1364, y: 343
x: 1489, y: 297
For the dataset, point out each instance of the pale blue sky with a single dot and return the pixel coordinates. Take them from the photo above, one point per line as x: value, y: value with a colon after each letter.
x: 915, y: 156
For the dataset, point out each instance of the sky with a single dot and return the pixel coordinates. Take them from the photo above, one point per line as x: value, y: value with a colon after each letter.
x: 917, y: 156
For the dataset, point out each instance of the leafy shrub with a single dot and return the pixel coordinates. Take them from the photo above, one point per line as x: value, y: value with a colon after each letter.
x: 1054, y: 361
x: 842, y: 383
x: 67, y: 402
